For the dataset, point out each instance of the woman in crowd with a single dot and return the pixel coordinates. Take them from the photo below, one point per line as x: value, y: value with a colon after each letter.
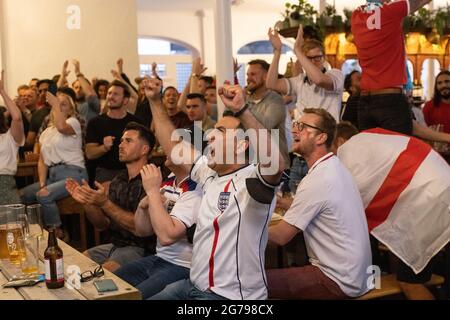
x: 61, y: 157
x: 101, y: 89
x: 10, y: 140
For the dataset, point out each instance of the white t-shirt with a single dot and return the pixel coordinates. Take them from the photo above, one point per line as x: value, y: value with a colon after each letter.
x: 8, y: 153
x: 182, y: 203
x: 328, y: 209
x: 231, y: 235
x: 313, y: 96
x: 57, y: 148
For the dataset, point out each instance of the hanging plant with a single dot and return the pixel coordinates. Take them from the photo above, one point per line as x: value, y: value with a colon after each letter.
x: 327, y: 16
x: 300, y: 13
x: 348, y: 20
x: 442, y: 20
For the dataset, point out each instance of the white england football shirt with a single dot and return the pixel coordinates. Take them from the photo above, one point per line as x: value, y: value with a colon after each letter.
x: 183, y: 201
x: 231, y: 235
x: 328, y: 209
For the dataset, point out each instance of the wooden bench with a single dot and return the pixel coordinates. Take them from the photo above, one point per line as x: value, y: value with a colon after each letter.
x: 69, y: 206
x: 390, y: 286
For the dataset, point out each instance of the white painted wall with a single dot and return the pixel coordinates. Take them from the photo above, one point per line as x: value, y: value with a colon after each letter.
x: 36, y: 40
x: 2, y: 29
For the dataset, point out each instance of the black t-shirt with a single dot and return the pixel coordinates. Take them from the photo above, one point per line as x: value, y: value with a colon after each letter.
x: 144, y: 113
x: 351, y: 110
x: 38, y: 118
x: 104, y: 126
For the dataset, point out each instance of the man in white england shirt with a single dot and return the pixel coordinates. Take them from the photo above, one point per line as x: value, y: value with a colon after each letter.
x: 238, y: 201
x: 329, y: 211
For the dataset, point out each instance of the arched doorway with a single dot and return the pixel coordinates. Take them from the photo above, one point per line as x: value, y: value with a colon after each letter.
x: 173, y: 58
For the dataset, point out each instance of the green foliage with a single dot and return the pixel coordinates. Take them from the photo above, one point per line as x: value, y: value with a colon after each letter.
x: 301, y: 11
x: 329, y: 11
x: 422, y: 21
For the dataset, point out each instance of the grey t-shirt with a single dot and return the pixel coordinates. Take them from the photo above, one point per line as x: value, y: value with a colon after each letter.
x: 90, y: 108
x: 270, y: 111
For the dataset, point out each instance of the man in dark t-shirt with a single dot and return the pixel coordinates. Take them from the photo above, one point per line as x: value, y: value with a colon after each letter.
x: 104, y: 133
x: 39, y: 115
x: 114, y: 210
x: 143, y: 112
x: 179, y: 119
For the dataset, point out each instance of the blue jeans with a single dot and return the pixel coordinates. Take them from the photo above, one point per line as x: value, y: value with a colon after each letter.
x: 55, y: 184
x: 299, y: 170
x: 120, y: 255
x: 151, y: 274
x: 185, y: 290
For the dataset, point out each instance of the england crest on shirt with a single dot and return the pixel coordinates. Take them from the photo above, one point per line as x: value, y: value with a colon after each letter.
x: 224, y: 201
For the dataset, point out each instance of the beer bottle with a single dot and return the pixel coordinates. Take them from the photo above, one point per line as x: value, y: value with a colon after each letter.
x: 54, y: 266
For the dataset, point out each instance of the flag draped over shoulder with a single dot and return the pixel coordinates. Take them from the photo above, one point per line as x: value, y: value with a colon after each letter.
x: 405, y: 188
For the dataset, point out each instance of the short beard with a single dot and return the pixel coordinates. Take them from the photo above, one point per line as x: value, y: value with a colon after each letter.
x: 254, y: 89
x: 129, y: 160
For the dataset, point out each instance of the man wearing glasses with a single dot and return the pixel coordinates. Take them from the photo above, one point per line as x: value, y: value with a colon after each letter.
x: 329, y: 211
x: 317, y: 87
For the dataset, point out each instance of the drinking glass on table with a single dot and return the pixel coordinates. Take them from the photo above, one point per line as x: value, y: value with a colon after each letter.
x: 18, y: 210
x: 34, y: 218
x: 4, y: 253
x: 29, y: 248
x: 14, y: 230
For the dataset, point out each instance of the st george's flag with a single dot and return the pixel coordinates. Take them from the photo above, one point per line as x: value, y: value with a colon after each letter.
x: 405, y: 188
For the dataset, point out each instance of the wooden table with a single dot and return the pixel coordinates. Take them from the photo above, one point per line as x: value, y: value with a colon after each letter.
x: 71, y: 257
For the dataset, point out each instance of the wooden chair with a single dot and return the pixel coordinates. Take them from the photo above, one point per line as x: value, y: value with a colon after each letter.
x: 68, y: 206
x: 390, y: 286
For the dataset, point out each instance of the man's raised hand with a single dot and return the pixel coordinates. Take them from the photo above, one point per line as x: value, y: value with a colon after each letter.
x: 120, y: 65
x: 151, y: 178
x: 152, y: 88
x: 233, y: 97
x: 65, y: 72
x: 299, y: 40
x: 76, y: 64
x: 52, y: 100
x: 275, y: 39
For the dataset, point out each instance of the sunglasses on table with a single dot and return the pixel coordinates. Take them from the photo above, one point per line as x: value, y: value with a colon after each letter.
x: 89, y: 275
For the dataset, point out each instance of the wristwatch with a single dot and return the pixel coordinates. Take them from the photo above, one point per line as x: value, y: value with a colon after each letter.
x: 241, y: 112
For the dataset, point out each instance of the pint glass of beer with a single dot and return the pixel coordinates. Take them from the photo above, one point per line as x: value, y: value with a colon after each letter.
x: 4, y: 253
x: 14, y: 230
x: 29, y: 246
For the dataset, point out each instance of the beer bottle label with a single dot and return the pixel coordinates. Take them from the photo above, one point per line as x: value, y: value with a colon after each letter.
x: 59, y: 270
